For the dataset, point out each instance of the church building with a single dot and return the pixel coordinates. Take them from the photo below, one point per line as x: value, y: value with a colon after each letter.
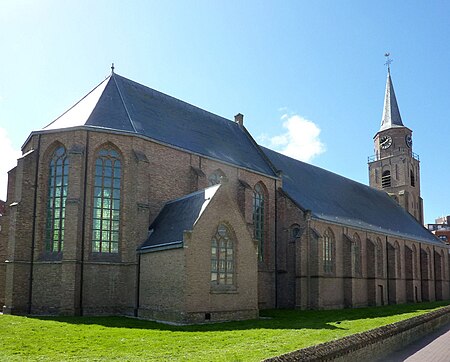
x: 135, y: 203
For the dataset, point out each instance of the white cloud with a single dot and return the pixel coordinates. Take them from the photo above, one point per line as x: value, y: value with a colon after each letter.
x: 8, y: 160
x: 301, y: 140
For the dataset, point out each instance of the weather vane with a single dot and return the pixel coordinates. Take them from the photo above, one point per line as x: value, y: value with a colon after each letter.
x: 388, y: 61
x: 112, y: 67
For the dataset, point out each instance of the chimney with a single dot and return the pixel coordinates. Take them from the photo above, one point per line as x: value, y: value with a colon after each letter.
x: 239, y: 119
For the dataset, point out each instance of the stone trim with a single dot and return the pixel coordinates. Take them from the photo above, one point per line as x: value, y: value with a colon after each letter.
x: 374, y: 344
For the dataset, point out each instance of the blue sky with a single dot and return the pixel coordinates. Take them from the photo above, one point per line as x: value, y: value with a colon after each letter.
x: 309, y: 76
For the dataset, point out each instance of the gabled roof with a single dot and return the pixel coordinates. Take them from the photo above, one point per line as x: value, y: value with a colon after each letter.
x: 336, y: 199
x: 176, y: 217
x: 120, y: 104
x: 391, y: 114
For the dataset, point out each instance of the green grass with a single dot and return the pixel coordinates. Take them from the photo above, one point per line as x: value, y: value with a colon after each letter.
x: 127, y: 339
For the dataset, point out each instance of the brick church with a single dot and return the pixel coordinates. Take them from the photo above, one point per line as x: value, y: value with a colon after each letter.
x: 133, y: 202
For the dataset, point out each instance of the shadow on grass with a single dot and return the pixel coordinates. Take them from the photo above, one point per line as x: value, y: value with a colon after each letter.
x: 272, y: 319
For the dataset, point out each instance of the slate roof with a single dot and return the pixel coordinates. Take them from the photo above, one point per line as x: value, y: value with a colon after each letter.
x: 176, y: 217
x: 391, y: 114
x: 123, y: 105
x: 336, y: 199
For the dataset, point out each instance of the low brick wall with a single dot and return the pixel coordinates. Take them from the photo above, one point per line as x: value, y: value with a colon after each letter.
x: 374, y: 344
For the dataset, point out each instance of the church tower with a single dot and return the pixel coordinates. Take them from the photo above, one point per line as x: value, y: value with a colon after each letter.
x: 395, y: 167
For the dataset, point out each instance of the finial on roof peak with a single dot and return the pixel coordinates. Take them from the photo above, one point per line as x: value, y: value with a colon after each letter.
x: 112, y: 68
x: 388, y: 61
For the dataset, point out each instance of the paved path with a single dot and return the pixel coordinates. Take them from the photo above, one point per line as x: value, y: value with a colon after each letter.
x: 434, y: 347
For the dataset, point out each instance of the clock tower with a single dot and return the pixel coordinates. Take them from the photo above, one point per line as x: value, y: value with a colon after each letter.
x: 395, y: 167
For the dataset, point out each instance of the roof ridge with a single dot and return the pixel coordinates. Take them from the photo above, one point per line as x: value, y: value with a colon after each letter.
x: 123, y: 102
x: 83, y: 98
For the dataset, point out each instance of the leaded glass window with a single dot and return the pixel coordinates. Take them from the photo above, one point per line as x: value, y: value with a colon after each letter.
x: 58, y: 180
x: 258, y: 219
x: 106, y: 203
x: 328, y: 251
x: 222, y: 257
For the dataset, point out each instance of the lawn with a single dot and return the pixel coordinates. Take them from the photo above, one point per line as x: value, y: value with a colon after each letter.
x: 127, y: 339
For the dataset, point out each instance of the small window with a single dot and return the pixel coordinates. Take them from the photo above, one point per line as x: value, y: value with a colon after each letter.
x: 413, y: 180
x: 386, y: 179
x: 296, y: 232
x: 215, y: 177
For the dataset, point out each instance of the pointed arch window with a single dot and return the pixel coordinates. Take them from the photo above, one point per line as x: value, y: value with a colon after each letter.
x: 328, y: 253
x: 356, y: 255
x: 379, y: 258
x: 106, y: 203
x: 222, y: 257
x: 386, y: 179
x: 258, y: 219
x: 58, y: 180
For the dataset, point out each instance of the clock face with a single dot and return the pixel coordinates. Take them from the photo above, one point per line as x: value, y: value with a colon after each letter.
x: 385, y: 142
x: 408, y: 140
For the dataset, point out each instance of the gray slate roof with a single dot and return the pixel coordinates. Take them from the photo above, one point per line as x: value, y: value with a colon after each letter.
x: 176, y: 217
x: 336, y: 199
x: 391, y: 114
x: 123, y: 105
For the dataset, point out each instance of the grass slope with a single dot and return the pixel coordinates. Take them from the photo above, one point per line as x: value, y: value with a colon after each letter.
x: 126, y: 339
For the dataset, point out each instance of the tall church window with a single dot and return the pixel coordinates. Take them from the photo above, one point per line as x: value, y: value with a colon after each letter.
x: 56, y: 202
x: 386, y: 179
x: 258, y: 219
x: 413, y: 179
x: 222, y: 257
x: 356, y: 255
x: 106, y: 206
x: 328, y: 241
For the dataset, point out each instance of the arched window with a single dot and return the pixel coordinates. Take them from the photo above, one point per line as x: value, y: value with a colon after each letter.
x: 58, y: 178
x: 386, y: 179
x: 215, y: 177
x: 222, y: 257
x: 413, y: 179
x: 106, y: 211
x: 258, y: 218
x: 397, y: 259
x: 356, y: 254
x: 328, y: 254
x: 379, y: 258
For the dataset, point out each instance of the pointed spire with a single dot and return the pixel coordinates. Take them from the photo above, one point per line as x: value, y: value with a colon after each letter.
x: 391, y: 113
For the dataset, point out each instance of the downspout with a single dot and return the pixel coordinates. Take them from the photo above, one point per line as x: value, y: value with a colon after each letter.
x: 138, y: 284
x: 308, y: 271
x: 33, y: 229
x: 387, y: 271
x: 420, y: 271
x: 276, y: 246
x: 83, y: 222
x: 434, y: 273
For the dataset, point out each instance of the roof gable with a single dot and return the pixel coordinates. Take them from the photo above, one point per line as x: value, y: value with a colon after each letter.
x: 176, y: 217
x: 337, y: 199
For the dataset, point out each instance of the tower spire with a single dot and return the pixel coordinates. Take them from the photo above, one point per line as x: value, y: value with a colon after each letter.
x: 391, y: 114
